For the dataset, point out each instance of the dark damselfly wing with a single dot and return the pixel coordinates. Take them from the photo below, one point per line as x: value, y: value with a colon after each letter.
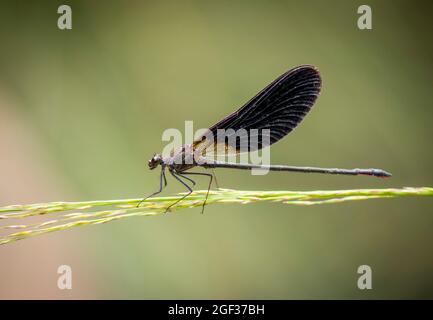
x: 279, y: 107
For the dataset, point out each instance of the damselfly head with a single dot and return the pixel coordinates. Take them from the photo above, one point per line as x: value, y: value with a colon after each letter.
x: 155, y: 161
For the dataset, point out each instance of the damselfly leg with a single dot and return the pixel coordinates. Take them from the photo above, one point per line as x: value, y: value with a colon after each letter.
x: 162, y: 179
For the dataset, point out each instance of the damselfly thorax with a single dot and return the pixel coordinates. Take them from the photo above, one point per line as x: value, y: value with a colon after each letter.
x: 181, y: 159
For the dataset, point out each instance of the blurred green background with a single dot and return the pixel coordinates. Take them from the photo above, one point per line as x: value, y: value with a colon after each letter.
x: 81, y: 111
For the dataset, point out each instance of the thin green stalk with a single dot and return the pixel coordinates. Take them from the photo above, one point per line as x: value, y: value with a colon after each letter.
x: 66, y: 215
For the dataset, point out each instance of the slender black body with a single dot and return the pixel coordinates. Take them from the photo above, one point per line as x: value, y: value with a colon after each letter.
x: 353, y: 172
x: 279, y: 108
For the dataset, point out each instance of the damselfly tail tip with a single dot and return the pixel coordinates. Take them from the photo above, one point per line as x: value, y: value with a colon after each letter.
x: 375, y: 173
x: 382, y: 173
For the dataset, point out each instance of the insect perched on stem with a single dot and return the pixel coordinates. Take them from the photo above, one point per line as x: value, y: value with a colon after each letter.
x: 279, y: 108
